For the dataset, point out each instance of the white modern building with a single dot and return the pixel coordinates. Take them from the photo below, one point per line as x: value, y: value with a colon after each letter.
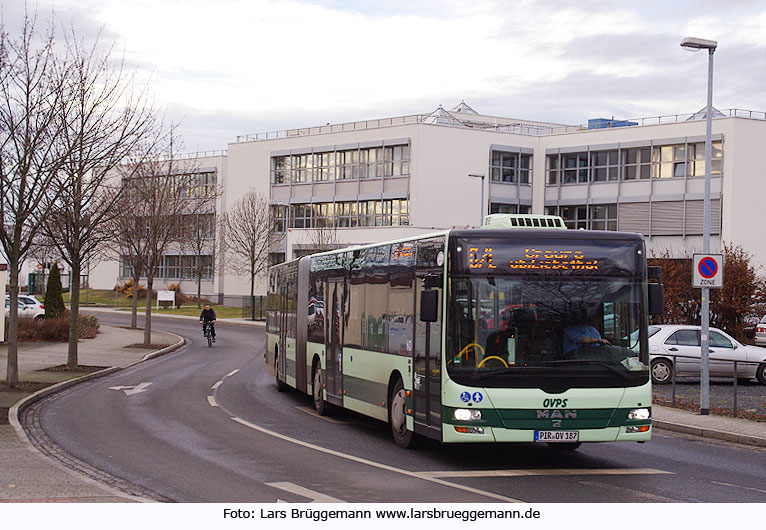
x: 383, y: 179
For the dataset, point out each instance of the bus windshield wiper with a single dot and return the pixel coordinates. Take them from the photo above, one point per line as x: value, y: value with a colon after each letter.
x: 612, y: 367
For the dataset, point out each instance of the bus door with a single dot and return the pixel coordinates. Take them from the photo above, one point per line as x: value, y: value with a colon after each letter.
x: 335, y: 291
x: 427, y: 367
x: 283, y: 319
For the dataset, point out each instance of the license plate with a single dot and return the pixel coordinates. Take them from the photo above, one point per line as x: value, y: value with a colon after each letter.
x: 556, y: 436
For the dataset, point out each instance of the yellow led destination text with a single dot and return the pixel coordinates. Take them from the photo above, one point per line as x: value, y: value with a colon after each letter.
x: 554, y: 260
x: 479, y: 261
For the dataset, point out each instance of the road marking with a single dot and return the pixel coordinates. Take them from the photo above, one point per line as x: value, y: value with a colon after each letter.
x: 541, y: 472
x: 374, y: 464
x: 309, y: 410
x: 232, y: 372
x: 315, y: 496
x: 737, y: 486
x: 130, y: 390
x: 211, y: 400
x: 215, y: 386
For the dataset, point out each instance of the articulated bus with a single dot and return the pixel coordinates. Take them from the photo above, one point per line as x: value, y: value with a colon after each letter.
x: 518, y: 331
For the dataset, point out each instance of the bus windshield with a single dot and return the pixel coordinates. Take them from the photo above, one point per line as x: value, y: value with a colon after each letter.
x: 547, y: 332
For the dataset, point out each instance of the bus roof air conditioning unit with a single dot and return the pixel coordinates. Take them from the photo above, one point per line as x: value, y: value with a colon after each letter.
x: 504, y: 220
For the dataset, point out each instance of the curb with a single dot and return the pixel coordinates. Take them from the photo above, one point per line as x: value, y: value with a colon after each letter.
x: 249, y: 323
x: 13, y: 415
x: 710, y: 433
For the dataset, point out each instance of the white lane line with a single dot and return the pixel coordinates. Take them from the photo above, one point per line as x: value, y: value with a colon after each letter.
x: 315, y: 496
x: 374, y: 464
x: 212, y: 401
x: 215, y: 386
x: 232, y: 372
x: 737, y: 486
x: 541, y: 472
x: 312, y: 412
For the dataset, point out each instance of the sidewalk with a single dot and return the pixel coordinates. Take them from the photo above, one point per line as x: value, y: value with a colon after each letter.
x: 28, y: 476
x: 25, y: 474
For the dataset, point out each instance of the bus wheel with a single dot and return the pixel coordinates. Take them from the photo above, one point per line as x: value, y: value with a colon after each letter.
x: 565, y: 446
x: 281, y: 385
x: 320, y: 405
x: 397, y: 416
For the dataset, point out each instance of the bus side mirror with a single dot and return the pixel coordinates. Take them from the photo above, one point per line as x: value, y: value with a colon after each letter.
x: 656, y: 299
x: 429, y: 305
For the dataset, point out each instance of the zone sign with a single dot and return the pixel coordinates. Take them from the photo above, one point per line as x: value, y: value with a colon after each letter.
x: 707, y: 271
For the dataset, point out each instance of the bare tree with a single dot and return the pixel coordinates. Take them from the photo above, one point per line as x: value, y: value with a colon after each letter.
x: 103, y: 124
x: 323, y: 237
x: 198, y: 242
x: 248, y: 230
x: 31, y: 98
x: 157, y: 193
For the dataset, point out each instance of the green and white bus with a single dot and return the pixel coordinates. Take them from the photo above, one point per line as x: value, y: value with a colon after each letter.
x: 519, y: 331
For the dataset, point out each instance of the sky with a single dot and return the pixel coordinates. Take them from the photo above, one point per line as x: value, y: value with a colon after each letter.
x: 223, y: 68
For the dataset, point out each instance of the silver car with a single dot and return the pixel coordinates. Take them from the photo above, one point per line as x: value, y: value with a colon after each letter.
x: 760, y: 332
x: 674, y: 348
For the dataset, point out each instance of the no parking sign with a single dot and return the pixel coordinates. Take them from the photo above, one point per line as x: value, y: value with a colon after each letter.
x: 707, y: 271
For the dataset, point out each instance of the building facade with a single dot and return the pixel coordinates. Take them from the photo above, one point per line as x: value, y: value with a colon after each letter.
x: 377, y: 180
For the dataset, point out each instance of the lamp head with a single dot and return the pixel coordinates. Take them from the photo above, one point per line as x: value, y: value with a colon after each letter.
x: 694, y: 44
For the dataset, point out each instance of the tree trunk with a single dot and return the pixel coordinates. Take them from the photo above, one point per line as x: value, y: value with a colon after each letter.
x: 199, y: 291
x: 148, y: 317
x: 12, y: 374
x: 134, y: 311
x: 74, y: 313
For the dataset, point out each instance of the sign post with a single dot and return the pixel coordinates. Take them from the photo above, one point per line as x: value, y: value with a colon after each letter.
x: 707, y: 273
x: 166, y: 296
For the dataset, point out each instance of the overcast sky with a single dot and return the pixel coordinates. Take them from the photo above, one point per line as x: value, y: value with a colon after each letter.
x: 230, y: 67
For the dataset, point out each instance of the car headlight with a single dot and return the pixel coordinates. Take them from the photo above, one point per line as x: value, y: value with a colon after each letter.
x: 467, y: 414
x: 639, y: 414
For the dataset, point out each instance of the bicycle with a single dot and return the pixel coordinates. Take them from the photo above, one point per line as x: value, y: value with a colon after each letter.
x: 206, y: 332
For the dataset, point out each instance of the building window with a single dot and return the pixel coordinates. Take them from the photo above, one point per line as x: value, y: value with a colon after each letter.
x: 604, y: 165
x: 324, y: 167
x: 300, y: 216
x: 374, y: 162
x: 636, y: 163
x: 510, y: 167
x: 280, y: 169
x: 659, y: 162
x: 593, y: 217
x: 279, y: 217
x: 275, y: 258
x: 496, y: 207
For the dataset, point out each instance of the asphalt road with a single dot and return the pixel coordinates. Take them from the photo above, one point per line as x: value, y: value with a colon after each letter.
x: 211, y: 427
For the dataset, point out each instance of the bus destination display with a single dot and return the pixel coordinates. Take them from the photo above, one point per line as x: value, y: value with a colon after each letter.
x: 531, y: 259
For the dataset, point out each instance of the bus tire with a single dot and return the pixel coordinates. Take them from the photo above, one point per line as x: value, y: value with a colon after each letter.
x: 320, y: 405
x: 397, y: 416
x: 565, y: 446
x: 281, y: 385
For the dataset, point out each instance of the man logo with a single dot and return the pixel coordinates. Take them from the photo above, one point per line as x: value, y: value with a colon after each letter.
x: 556, y: 423
x: 556, y: 414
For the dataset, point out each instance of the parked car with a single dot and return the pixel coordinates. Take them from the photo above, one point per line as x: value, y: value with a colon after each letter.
x: 674, y: 348
x: 29, y: 306
x: 760, y: 332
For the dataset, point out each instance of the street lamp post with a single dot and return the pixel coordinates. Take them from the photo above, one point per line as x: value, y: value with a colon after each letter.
x: 481, y: 211
x: 694, y: 44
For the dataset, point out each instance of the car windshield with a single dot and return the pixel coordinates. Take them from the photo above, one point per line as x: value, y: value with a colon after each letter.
x: 550, y: 333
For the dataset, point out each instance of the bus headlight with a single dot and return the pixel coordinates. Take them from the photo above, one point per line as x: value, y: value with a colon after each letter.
x: 639, y: 414
x: 467, y: 414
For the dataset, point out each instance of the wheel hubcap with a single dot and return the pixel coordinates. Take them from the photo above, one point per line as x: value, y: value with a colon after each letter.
x: 661, y: 371
x: 398, y: 418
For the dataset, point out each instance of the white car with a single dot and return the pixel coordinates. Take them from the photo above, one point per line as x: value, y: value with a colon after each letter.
x: 760, y: 332
x: 29, y: 307
x: 674, y: 348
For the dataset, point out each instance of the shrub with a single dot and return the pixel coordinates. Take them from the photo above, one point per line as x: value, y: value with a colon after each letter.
x: 54, y: 301
x: 127, y: 289
x: 181, y: 298
x: 56, y: 329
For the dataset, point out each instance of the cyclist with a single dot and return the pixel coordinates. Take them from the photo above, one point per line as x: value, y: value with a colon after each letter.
x: 207, y: 317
